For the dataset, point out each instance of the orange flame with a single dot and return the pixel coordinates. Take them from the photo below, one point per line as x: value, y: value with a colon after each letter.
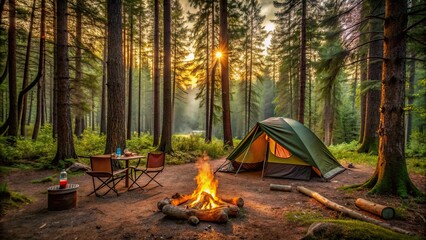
x: 207, y: 185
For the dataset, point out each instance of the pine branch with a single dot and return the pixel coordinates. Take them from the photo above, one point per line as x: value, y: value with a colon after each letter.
x: 415, y: 59
x: 375, y: 40
x: 364, y: 59
x: 414, y: 24
x: 417, y: 40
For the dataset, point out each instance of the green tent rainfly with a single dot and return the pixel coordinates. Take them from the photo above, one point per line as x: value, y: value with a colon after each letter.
x: 285, y: 148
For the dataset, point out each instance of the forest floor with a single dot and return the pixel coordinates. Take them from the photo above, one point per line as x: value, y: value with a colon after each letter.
x: 134, y: 214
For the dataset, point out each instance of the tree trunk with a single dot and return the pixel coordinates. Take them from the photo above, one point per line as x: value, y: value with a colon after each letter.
x: 140, y: 76
x: 166, y: 133
x: 23, y: 112
x: 301, y: 110
x: 410, y: 98
x: 391, y: 175
x: 13, y: 109
x: 208, y: 136
x: 250, y: 67
x: 129, y: 103
x: 38, y: 111
x: 55, y: 69
x: 79, y: 113
x: 103, y: 128
x: 363, y: 97
x: 212, y: 75
x: 223, y: 46
x: 30, y: 108
x: 116, y: 92
x: 65, y: 144
x: 156, y: 74
x: 212, y: 93
x: 375, y: 51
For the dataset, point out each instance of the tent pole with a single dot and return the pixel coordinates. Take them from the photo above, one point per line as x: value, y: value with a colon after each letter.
x: 266, y: 158
x: 245, y: 155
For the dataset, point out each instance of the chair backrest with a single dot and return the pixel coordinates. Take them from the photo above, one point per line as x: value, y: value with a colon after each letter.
x: 156, y: 160
x: 101, y: 164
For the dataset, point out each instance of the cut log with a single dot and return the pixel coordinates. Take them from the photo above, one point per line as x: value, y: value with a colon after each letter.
x: 193, y: 220
x: 349, y: 212
x: 279, y: 187
x: 232, y: 210
x: 218, y: 215
x: 380, y: 210
x: 178, y: 199
x: 162, y: 203
x: 236, y: 201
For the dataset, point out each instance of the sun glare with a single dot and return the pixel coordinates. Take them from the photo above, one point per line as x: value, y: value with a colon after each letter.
x: 218, y: 54
x: 189, y: 57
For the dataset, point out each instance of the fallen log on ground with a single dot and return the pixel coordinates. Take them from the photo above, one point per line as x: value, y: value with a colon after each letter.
x: 380, y: 210
x: 347, y: 211
x: 279, y: 187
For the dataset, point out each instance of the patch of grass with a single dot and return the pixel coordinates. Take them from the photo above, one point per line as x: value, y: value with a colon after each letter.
x: 351, y: 229
x: 43, y: 180
x: 347, y: 152
x: 304, y: 217
x: 11, y: 199
x: 6, y: 170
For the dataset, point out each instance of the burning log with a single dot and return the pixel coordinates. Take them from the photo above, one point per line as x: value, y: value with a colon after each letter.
x: 219, y: 215
x: 203, y: 204
x: 236, y: 201
x: 176, y: 200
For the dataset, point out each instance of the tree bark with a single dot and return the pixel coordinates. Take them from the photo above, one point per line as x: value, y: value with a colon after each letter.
x: 140, y: 76
x: 79, y: 114
x: 103, y: 127
x: 23, y: 113
x: 129, y: 102
x: 391, y: 175
x: 223, y: 46
x: 207, y: 101
x: 55, y: 69
x: 12, y: 130
x: 410, y: 98
x: 116, y: 92
x: 37, y: 122
x: 363, y: 97
x: 156, y: 74
x: 166, y: 133
x: 374, y: 73
x: 65, y: 144
x: 302, y: 89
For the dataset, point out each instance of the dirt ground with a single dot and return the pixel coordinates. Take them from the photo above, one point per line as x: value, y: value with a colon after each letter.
x: 134, y: 214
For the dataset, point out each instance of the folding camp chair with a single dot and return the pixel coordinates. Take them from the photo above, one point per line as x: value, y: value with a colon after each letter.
x: 102, y: 169
x: 154, y: 165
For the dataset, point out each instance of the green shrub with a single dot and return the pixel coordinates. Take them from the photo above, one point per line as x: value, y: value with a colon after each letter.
x: 90, y: 143
x: 417, y: 145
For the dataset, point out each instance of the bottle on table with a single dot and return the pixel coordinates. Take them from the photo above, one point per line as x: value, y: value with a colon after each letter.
x: 63, y: 179
x: 118, y: 152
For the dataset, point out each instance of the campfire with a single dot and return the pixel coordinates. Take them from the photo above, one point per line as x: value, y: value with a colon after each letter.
x: 203, y: 204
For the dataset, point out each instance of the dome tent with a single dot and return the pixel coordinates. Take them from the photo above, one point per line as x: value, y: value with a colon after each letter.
x: 285, y: 148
